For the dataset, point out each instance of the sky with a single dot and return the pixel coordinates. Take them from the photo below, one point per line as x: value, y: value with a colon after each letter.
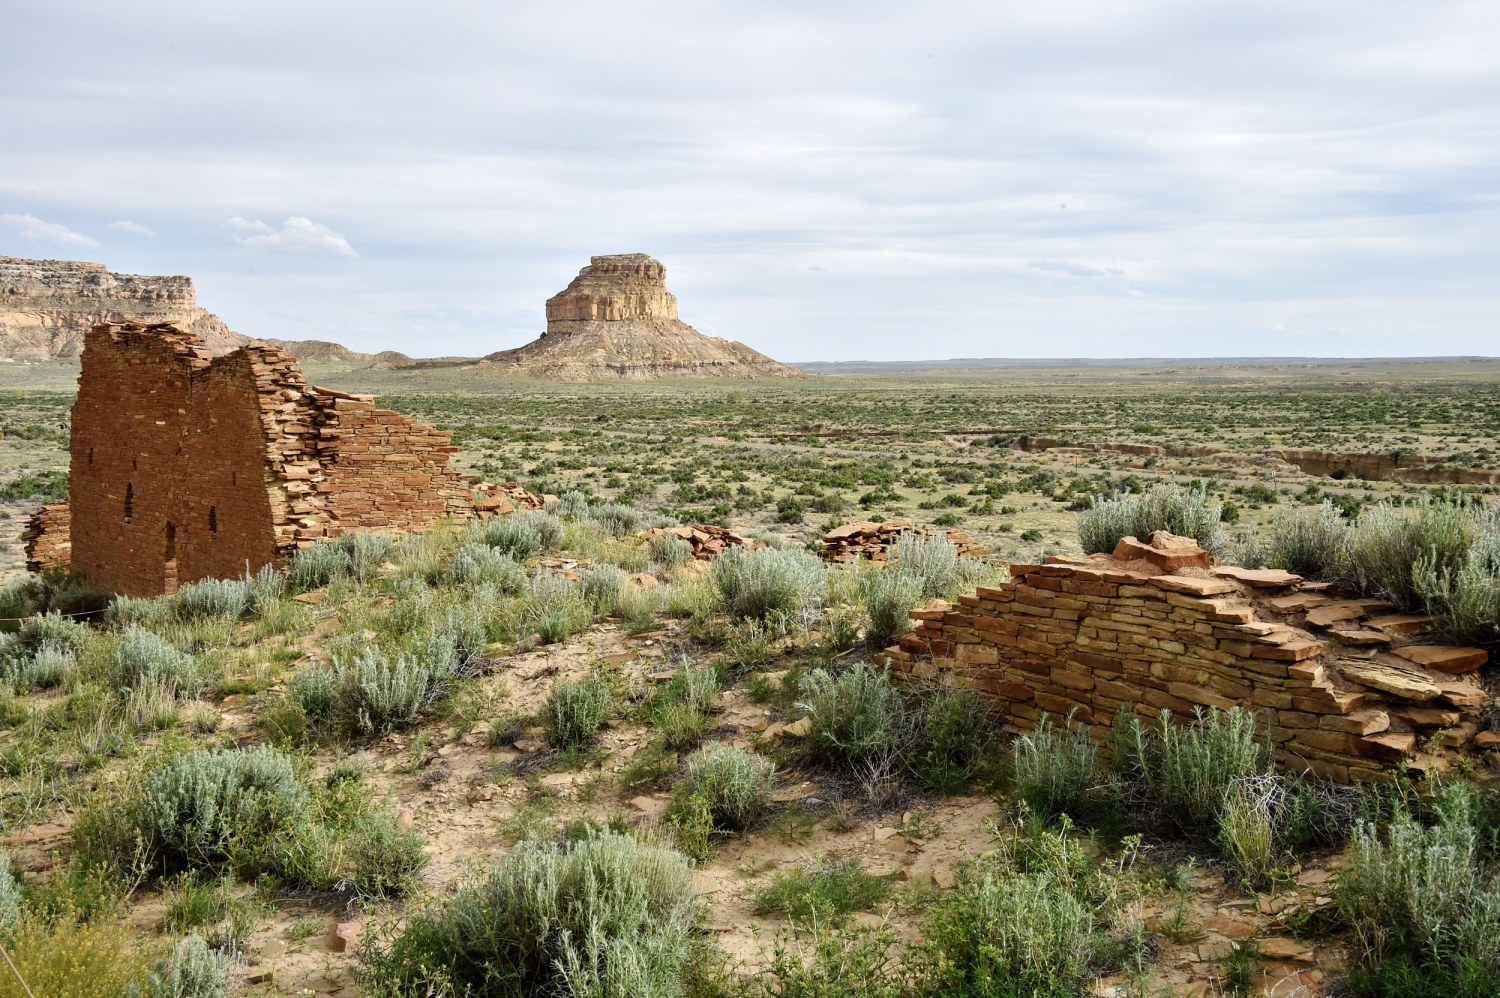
x: 823, y: 180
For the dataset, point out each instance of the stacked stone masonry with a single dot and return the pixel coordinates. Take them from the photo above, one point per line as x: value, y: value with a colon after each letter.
x: 875, y: 541
x: 185, y: 466
x: 1350, y: 689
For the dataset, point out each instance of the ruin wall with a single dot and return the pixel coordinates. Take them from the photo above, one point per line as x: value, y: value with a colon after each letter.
x: 185, y: 466
x: 1346, y: 687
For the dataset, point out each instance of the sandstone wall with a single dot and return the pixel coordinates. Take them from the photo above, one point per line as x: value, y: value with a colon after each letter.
x: 47, y: 538
x: 1348, y: 692
x: 186, y: 466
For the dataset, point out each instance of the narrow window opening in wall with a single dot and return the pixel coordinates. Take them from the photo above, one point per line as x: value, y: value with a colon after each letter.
x: 133, y: 465
x: 170, y: 568
x: 91, y: 455
x: 234, y: 478
x: 129, y: 502
x: 213, y: 519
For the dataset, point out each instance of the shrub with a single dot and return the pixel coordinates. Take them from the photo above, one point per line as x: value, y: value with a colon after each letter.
x: 1308, y: 540
x: 826, y: 890
x: 189, y: 970
x: 1185, y: 512
x: 616, y: 519
x: 379, y: 693
x: 574, y: 712
x: 954, y: 738
x: 735, y: 785
x: 1059, y: 771
x: 554, y: 608
x: 317, y: 565
x: 10, y: 896
x: 225, y: 598
x: 600, y: 916
x: 221, y: 805
x: 1421, y: 905
x: 1188, y: 769
x: 1464, y: 604
x: 51, y: 629
x: 48, y: 667
x: 761, y: 581
x: 549, y: 529
x: 472, y: 564
x: 1388, y: 543
x: 669, y: 551
x: 62, y: 957
x: 1035, y: 918
x: 855, y: 715
x: 931, y: 561
x: 889, y: 597
x: 142, y: 657
x: 680, y: 710
x: 602, y: 586
x: 383, y: 857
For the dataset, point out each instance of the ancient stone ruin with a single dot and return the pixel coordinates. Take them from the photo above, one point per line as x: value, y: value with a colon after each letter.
x: 618, y: 320
x: 1350, y: 688
x: 187, y: 466
x: 48, y: 306
x: 876, y: 541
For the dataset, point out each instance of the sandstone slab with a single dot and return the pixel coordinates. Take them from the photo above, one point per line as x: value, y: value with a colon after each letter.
x: 1445, y: 658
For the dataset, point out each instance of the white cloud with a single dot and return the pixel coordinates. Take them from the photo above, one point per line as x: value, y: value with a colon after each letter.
x: 297, y: 235
x: 31, y: 227
x: 1073, y: 269
x: 134, y: 228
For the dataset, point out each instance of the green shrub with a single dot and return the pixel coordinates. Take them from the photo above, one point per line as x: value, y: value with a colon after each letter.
x: 855, y: 714
x: 513, y: 535
x: 1059, y: 771
x: 142, y: 657
x: 1465, y: 603
x: 616, y: 519
x: 48, y: 667
x: 574, y: 712
x: 1185, y: 512
x: 226, y: 598
x: 1188, y: 768
x: 889, y: 597
x: 669, y: 551
x: 317, y: 565
x: 1389, y: 543
x: 1308, y: 540
x: 379, y: 692
x: 602, y: 587
x: 215, y: 806
x: 931, y: 561
x: 824, y: 891
x: 51, y: 629
x: 473, y: 564
x: 10, y: 896
x: 189, y: 970
x: 1423, y: 908
x: 761, y: 581
x: 954, y: 738
x: 599, y: 916
x: 736, y: 785
x: 680, y: 711
x: 62, y: 957
x: 554, y: 608
x: 1035, y: 918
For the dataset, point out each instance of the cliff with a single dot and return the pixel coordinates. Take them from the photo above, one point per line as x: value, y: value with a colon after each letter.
x: 618, y: 320
x: 46, y: 307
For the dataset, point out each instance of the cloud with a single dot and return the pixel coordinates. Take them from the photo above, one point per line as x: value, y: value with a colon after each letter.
x: 31, y: 227
x: 297, y: 235
x: 1074, y: 269
x: 131, y: 227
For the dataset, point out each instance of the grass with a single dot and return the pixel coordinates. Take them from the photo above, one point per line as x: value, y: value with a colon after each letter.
x: 827, y: 890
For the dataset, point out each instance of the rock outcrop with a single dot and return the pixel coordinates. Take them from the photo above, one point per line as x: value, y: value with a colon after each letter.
x: 47, y: 307
x: 618, y: 320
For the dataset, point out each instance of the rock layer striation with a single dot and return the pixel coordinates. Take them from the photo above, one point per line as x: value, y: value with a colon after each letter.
x: 618, y: 320
x: 48, y: 306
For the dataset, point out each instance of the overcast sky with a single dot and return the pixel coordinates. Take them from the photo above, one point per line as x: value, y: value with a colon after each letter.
x: 824, y: 180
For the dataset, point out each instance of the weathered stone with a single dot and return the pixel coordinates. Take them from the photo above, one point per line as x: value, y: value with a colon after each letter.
x: 1387, y: 678
x: 1444, y: 658
x: 1194, y: 587
x: 1258, y: 578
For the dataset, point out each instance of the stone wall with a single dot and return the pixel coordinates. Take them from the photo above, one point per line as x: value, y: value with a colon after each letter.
x: 185, y: 466
x: 47, y: 538
x: 1348, y: 687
